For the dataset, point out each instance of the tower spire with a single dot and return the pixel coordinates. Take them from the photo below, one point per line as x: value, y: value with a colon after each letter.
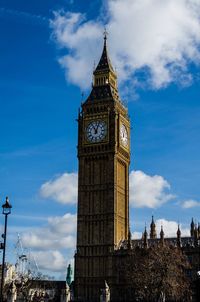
x: 178, y: 236
x: 192, y: 227
x: 105, y: 33
x: 145, y: 237
x: 162, y: 234
x: 153, y: 234
x: 104, y: 73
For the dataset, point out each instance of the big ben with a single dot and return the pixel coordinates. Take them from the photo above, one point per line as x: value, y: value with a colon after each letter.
x: 103, y: 181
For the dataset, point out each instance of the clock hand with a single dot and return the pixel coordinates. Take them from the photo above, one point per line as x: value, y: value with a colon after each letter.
x: 93, y: 126
x: 96, y: 128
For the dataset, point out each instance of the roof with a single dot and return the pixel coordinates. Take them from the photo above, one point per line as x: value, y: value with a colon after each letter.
x: 104, y: 63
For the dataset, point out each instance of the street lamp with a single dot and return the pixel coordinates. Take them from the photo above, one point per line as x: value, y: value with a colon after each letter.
x: 6, y: 211
x: 198, y: 285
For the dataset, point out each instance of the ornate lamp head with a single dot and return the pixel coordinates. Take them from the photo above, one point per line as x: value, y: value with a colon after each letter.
x: 6, y: 207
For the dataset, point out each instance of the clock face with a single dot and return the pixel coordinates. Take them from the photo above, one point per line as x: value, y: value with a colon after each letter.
x: 96, y: 131
x: 124, y: 135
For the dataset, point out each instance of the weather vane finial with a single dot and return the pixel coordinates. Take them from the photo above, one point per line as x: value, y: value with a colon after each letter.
x: 105, y: 33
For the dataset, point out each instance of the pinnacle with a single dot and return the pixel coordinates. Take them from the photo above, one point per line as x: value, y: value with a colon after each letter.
x: 104, y: 63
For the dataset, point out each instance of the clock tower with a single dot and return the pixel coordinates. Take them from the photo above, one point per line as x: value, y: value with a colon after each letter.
x: 103, y: 182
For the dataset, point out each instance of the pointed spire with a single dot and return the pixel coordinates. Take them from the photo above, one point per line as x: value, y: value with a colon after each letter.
x: 153, y: 234
x: 105, y: 34
x: 162, y: 234
x: 145, y: 238
x: 178, y: 231
x: 69, y: 275
x: 192, y: 228
x: 104, y: 63
x: 196, y: 235
x: 104, y: 73
x: 179, y: 236
x: 129, y: 245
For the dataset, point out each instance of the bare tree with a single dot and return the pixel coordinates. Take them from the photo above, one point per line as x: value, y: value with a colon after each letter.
x: 158, y: 274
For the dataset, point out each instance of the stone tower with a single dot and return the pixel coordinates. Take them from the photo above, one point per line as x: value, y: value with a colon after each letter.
x: 103, y: 183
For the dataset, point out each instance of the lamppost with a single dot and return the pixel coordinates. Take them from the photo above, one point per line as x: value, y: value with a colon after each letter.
x: 198, y: 285
x: 6, y: 211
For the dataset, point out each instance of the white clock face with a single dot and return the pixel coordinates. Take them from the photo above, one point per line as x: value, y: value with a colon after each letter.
x: 124, y: 135
x: 96, y: 131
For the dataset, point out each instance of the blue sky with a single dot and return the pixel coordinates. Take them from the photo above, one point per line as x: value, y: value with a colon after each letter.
x: 47, y: 53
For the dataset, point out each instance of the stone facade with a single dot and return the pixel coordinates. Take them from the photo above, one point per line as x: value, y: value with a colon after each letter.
x: 103, y: 205
x: 103, y: 236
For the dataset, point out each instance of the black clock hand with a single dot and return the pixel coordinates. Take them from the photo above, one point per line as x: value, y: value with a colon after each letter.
x: 97, y: 125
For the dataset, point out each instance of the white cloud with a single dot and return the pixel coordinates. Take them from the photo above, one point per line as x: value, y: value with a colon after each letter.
x: 160, y: 37
x: 148, y: 191
x: 82, y: 41
x: 54, y: 244
x: 59, y: 233
x: 63, y: 225
x: 188, y: 204
x: 62, y: 189
x: 145, y: 190
x: 136, y: 235
x: 50, y: 260
x: 170, y: 228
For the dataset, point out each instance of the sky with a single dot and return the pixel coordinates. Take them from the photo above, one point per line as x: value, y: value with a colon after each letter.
x: 48, y: 50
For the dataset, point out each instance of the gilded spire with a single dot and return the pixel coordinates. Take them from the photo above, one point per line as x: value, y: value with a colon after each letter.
x: 104, y: 73
x: 104, y: 62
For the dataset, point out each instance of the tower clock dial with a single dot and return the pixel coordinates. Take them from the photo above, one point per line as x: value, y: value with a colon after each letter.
x: 96, y: 131
x: 124, y: 135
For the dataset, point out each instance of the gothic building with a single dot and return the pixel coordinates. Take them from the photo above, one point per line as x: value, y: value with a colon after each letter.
x: 103, y: 236
x: 103, y: 201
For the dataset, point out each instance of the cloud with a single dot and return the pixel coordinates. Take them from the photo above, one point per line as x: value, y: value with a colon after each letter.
x: 156, y: 38
x: 36, y: 19
x: 145, y: 190
x: 50, y: 260
x: 63, y: 189
x: 136, y: 235
x: 170, y: 228
x: 188, y: 204
x: 58, y: 233
x: 54, y: 244
x: 148, y: 191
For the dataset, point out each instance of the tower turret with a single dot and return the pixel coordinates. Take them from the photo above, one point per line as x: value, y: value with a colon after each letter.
x: 153, y: 234
x: 129, y: 245
x: 192, y: 228
x: 196, y: 235
x: 179, y: 237
x: 145, y: 238
x: 162, y: 234
x: 69, y: 275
